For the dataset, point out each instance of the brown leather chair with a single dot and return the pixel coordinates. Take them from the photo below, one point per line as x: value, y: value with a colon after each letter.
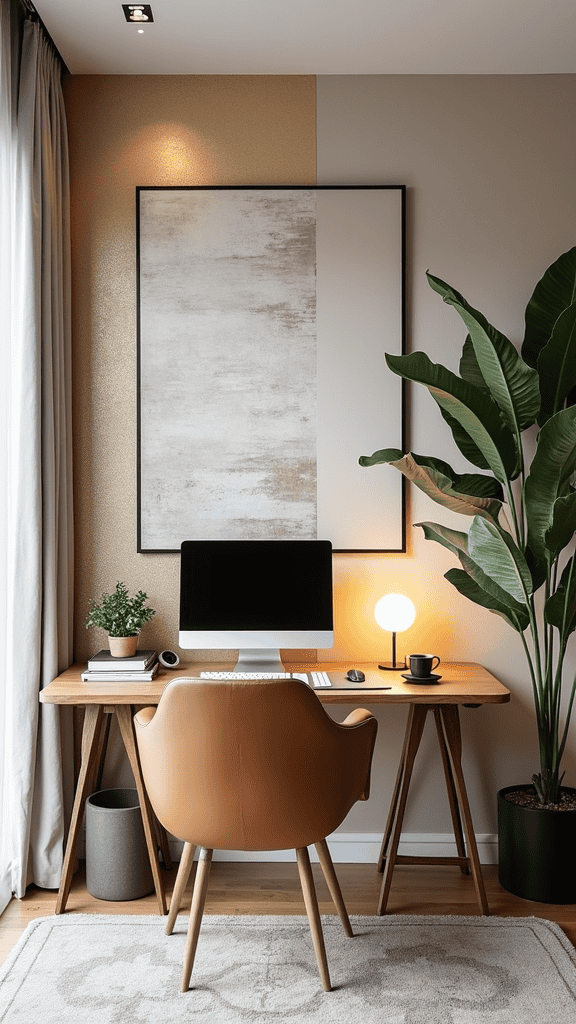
x: 252, y: 765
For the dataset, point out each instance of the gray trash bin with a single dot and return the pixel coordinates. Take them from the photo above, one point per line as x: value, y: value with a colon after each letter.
x: 117, y: 862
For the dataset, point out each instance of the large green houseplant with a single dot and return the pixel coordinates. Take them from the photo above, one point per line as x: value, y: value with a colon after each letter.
x: 517, y: 558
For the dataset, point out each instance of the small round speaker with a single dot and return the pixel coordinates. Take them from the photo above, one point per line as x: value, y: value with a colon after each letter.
x: 169, y: 659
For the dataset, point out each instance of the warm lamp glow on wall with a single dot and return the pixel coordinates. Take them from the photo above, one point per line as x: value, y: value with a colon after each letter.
x: 394, y: 613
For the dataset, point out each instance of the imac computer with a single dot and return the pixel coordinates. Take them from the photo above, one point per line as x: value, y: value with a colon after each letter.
x: 257, y: 597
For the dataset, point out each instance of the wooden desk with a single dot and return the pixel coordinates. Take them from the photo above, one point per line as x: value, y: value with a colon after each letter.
x: 462, y: 683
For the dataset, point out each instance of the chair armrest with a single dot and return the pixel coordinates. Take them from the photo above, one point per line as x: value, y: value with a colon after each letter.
x: 144, y: 716
x: 357, y: 716
x: 363, y: 720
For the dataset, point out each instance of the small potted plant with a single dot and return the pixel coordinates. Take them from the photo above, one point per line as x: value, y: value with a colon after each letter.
x: 122, y: 617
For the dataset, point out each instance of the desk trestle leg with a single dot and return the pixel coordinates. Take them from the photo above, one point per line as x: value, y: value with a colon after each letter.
x: 91, y: 731
x: 124, y: 715
x: 450, y: 742
x: 451, y: 790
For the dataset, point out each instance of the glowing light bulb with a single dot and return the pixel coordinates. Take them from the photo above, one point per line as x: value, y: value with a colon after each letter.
x: 394, y: 613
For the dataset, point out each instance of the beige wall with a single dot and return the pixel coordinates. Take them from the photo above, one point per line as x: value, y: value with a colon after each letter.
x: 489, y: 166
x: 148, y: 130
x: 489, y: 163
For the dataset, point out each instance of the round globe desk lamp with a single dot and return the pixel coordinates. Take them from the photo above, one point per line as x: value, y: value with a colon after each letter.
x: 394, y: 613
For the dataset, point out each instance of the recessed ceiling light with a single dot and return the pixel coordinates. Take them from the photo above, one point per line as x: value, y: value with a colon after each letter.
x: 138, y: 13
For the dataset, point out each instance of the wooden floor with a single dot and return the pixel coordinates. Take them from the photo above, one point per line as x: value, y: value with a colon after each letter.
x: 237, y: 888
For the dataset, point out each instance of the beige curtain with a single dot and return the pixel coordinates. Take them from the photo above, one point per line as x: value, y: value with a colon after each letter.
x: 36, y: 556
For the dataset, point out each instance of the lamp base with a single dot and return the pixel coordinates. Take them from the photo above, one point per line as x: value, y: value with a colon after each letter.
x: 389, y: 667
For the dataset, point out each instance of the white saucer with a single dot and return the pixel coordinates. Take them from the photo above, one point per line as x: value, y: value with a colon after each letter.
x: 424, y: 680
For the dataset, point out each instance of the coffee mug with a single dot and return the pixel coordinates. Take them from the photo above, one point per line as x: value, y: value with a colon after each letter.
x: 421, y: 665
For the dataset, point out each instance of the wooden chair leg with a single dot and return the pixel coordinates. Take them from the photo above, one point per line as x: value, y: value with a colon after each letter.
x: 196, y: 911
x: 311, y: 902
x: 186, y: 861
x: 333, y: 885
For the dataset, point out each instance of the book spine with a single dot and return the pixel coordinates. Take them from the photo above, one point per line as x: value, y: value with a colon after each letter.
x: 133, y: 666
x: 95, y: 667
x: 116, y: 679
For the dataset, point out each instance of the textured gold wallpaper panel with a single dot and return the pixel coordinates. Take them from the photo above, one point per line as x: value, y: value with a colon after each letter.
x: 148, y: 130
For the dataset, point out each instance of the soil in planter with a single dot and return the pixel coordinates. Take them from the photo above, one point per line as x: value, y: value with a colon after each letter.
x: 529, y: 799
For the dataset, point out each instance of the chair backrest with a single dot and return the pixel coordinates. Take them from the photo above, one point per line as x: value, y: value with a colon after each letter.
x: 251, y: 764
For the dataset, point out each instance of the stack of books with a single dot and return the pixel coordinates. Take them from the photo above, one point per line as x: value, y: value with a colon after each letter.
x: 103, y: 668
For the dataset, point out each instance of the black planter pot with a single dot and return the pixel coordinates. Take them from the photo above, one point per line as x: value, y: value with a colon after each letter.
x: 536, y: 850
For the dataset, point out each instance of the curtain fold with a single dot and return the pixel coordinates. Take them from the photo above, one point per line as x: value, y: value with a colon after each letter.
x: 37, y: 528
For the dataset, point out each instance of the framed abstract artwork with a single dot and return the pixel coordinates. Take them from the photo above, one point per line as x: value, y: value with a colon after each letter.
x: 263, y: 316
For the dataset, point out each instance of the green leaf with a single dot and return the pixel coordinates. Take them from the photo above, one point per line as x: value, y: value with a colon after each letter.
x: 477, y: 414
x: 118, y: 613
x: 563, y: 525
x: 466, y: 483
x: 499, y: 558
x: 464, y: 442
x: 554, y: 292
x: 436, y: 479
x: 383, y: 457
x: 549, y: 478
x: 465, y: 585
x: 469, y: 367
x: 513, y: 385
x: 560, y: 608
x: 538, y: 568
x: 457, y: 542
x: 557, y: 365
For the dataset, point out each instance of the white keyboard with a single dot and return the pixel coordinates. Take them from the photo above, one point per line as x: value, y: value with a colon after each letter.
x: 246, y: 675
x: 319, y: 679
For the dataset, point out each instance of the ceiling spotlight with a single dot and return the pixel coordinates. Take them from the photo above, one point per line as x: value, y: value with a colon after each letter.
x: 138, y: 12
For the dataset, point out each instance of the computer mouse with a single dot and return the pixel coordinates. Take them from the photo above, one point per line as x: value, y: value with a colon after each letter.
x: 355, y: 675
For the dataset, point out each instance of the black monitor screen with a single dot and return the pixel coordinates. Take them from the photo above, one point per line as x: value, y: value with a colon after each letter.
x: 256, y: 585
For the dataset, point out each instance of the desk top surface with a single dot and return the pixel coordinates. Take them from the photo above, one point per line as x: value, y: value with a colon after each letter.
x: 461, y: 683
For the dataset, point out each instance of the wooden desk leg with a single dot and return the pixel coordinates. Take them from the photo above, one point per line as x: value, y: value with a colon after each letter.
x: 414, y: 729
x: 124, y: 716
x: 102, y: 748
x: 453, y: 737
x: 90, y: 737
x: 163, y: 843
x: 394, y: 803
x: 452, y: 798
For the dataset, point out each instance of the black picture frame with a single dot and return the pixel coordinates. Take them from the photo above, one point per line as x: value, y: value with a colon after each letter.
x: 359, y: 251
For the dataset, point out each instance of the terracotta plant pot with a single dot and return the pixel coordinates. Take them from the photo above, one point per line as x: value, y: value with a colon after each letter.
x: 122, y: 646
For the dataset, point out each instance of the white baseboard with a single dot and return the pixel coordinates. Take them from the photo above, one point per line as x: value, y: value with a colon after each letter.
x: 364, y: 848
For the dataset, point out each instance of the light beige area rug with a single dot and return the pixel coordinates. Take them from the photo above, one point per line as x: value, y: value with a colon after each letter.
x: 91, y: 969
